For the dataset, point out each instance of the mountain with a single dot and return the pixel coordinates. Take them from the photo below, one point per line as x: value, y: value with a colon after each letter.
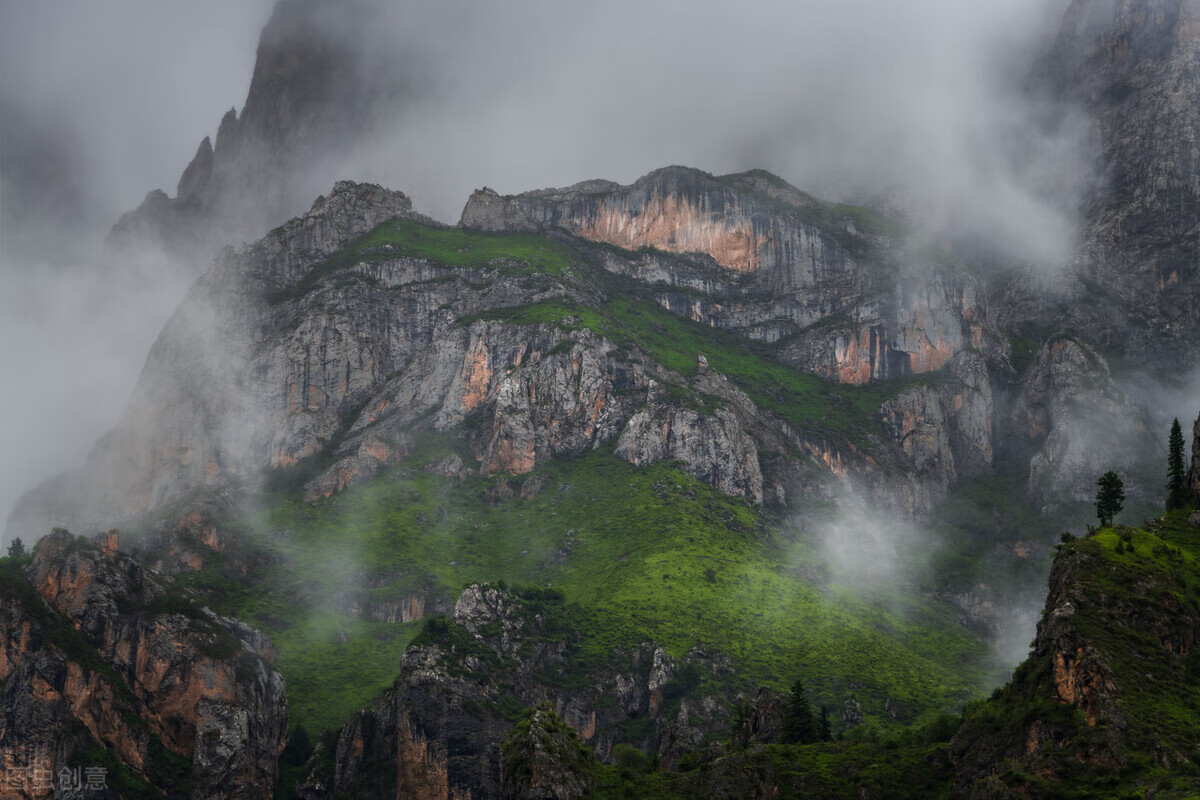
x: 345, y: 331
x: 684, y: 442
x: 1131, y: 68
x: 109, y: 665
x: 319, y: 88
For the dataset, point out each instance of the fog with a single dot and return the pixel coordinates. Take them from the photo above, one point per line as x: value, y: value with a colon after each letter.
x: 99, y: 103
x: 919, y: 104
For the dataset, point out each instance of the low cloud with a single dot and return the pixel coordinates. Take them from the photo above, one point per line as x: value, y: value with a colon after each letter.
x: 921, y: 103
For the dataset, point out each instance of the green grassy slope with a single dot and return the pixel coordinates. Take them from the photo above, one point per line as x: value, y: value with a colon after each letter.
x: 1135, y: 596
x: 645, y: 554
x: 1135, y: 612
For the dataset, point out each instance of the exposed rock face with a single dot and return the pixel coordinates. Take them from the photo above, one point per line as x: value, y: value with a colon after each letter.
x: 1081, y: 425
x: 761, y: 238
x: 203, y: 409
x: 765, y: 713
x: 1097, y: 643
x: 715, y: 449
x: 302, y: 347
x: 439, y: 733
x: 119, y: 651
x: 544, y: 760
x: 1134, y: 68
x: 319, y: 87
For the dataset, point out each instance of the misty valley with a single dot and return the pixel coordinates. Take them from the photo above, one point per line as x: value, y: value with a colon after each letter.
x: 696, y: 486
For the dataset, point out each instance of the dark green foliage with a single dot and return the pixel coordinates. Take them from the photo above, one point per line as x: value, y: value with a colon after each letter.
x: 299, y: 747
x: 1110, y: 497
x: 799, y: 724
x: 824, y: 729
x: 1177, y: 488
x: 16, y: 548
x: 542, y: 740
x: 683, y: 683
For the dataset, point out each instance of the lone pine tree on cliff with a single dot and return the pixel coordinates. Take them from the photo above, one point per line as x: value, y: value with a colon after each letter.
x: 1110, y: 498
x: 1177, y: 488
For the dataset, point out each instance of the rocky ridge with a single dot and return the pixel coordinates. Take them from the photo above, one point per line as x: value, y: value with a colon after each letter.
x: 770, y: 262
x: 317, y: 343
x: 96, y: 649
x: 438, y: 732
x: 1118, y: 612
x: 319, y: 88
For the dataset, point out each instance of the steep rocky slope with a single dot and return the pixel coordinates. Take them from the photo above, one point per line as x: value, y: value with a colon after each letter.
x: 1131, y: 66
x: 1107, y: 700
x: 338, y: 335
x: 779, y: 262
x: 438, y: 732
x: 106, y: 664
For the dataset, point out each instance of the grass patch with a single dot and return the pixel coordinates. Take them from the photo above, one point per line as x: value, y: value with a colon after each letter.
x: 452, y: 247
x: 639, y: 554
x: 806, y: 401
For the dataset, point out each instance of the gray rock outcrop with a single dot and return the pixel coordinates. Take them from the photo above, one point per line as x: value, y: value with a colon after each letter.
x: 1079, y: 422
x: 120, y: 656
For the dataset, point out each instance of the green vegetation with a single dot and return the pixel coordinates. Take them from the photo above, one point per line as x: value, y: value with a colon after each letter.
x: 1136, y: 592
x: 838, y: 771
x: 449, y: 247
x: 800, y: 724
x: 804, y: 400
x: 641, y: 554
x: 556, y: 742
x: 1135, y: 595
x: 1178, y: 493
x: 1110, y: 497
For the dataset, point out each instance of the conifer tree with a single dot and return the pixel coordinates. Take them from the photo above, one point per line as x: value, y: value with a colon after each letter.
x: 799, y: 725
x: 824, y: 730
x: 1177, y: 488
x: 1110, y: 497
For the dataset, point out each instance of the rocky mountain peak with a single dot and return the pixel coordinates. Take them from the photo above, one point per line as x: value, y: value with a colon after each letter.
x: 318, y: 87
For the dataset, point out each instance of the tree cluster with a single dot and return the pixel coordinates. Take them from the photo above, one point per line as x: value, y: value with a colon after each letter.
x: 800, y: 724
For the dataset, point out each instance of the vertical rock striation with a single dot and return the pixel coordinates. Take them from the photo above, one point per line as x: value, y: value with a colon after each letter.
x: 763, y: 258
x: 93, y: 640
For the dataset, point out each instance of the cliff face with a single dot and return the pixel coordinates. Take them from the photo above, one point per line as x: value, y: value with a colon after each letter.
x: 1106, y: 689
x: 438, y: 732
x: 1071, y: 412
x: 341, y: 333
x: 776, y: 263
x: 1133, y: 66
x: 97, y: 649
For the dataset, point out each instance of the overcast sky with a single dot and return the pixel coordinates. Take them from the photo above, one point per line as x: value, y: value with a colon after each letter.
x: 104, y: 101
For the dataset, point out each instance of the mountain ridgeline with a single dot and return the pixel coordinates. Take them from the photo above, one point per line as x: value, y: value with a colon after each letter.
x: 554, y: 502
